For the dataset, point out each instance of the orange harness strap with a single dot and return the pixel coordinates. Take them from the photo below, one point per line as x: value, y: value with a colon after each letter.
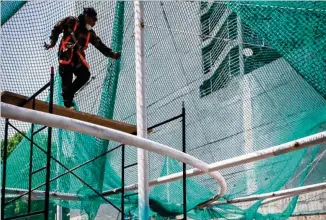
x: 64, y: 47
x: 83, y: 59
x: 80, y: 55
x: 87, y: 40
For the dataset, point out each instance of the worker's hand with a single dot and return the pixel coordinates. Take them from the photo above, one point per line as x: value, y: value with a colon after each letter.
x: 48, y: 46
x: 116, y: 55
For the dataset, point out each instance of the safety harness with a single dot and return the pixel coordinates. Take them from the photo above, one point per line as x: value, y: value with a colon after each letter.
x: 65, y: 45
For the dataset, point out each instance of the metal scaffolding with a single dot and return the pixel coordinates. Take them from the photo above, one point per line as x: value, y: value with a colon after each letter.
x: 34, y: 192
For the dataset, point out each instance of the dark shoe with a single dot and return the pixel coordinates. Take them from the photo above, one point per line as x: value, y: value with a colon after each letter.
x: 69, y: 104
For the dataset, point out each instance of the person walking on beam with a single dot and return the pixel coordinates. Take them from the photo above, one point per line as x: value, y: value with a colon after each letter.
x: 77, y: 33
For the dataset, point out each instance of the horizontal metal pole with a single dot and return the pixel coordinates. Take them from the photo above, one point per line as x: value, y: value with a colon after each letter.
x: 128, y: 195
x: 298, y: 144
x: 26, y: 215
x: 165, y: 122
x: 36, y: 193
x: 42, y: 128
x: 35, y: 94
x: 38, y: 170
x: 282, y: 193
x: 130, y: 165
x: 56, y: 121
x: 270, y: 200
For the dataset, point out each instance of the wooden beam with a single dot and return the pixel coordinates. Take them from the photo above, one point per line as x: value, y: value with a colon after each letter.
x: 17, y: 99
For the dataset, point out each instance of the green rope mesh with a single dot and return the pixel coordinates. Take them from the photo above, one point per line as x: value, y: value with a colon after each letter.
x: 9, y: 8
x: 301, y: 43
x: 66, y: 144
x: 192, y: 55
x: 163, y: 199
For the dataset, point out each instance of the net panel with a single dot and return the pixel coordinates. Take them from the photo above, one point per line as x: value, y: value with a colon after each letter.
x: 250, y: 76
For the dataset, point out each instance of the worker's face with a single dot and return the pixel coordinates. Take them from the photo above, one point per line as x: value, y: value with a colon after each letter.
x: 90, y: 20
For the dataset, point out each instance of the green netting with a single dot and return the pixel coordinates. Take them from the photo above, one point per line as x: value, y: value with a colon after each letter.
x: 193, y: 55
x: 300, y: 39
x: 9, y: 8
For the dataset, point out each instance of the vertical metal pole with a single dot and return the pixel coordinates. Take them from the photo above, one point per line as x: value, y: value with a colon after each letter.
x: 123, y: 183
x: 59, y: 213
x: 48, y: 154
x: 184, y: 177
x: 142, y: 155
x: 247, y: 113
x: 59, y: 148
x: 31, y: 164
x: 4, y: 171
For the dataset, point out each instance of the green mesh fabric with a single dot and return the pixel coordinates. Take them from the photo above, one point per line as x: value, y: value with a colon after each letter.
x: 192, y: 55
x: 303, y: 45
x: 9, y: 8
x: 66, y: 145
x: 163, y: 199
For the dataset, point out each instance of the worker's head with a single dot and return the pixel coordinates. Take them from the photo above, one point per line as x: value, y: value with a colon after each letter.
x: 90, y: 17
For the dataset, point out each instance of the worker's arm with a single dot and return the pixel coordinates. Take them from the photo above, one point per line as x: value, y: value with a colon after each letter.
x: 57, y: 30
x: 98, y: 44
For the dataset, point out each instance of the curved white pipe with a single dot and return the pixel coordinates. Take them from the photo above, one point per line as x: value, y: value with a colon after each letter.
x: 298, y: 144
x: 37, y: 117
x: 281, y: 194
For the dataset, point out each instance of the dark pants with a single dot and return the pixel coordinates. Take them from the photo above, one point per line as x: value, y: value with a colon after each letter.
x: 69, y: 87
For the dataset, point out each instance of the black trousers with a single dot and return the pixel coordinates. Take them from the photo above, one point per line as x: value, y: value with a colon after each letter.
x: 69, y: 87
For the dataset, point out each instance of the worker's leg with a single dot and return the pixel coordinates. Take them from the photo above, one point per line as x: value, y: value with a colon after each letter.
x: 82, y: 76
x: 66, y: 73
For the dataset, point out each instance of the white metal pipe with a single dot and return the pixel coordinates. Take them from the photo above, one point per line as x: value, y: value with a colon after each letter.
x: 240, y: 44
x: 282, y: 193
x: 59, y: 213
x: 36, y: 194
x: 270, y: 200
x: 56, y: 121
x: 59, y: 208
x: 298, y: 144
x: 247, y: 112
x: 142, y: 155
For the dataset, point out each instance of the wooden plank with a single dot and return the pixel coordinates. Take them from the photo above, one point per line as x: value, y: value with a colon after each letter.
x: 17, y: 99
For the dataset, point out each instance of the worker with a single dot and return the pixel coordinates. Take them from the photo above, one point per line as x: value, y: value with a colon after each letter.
x: 77, y: 33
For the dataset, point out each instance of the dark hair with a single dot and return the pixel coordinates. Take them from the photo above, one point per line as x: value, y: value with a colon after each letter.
x: 81, y: 19
x: 90, y: 12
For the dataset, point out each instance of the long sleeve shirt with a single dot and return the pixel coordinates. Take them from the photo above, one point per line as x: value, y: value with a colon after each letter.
x: 66, y: 26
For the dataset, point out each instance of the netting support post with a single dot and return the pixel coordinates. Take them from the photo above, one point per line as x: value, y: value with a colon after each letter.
x: 142, y: 155
x: 48, y: 153
x: 184, y: 177
x: 247, y: 109
x: 31, y: 164
x: 4, y: 171
x: 59, y: 210
x: 59, y: 213
x: 123, y: 182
